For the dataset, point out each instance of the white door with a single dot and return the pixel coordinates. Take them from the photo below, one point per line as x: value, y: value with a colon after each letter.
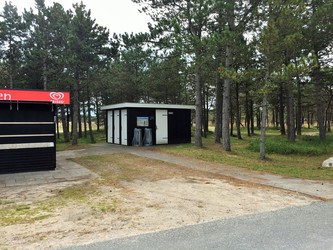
x: 110, y: 127
x: 124, y: 127
x: 161, y: 126
x: 116, y: 127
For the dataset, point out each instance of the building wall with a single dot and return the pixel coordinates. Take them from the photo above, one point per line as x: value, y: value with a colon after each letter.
x: 179, y: 124
x: 132, y: 114
x: 27, y: 137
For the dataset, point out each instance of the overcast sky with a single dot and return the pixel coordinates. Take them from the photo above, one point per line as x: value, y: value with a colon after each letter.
x: 118, y: 15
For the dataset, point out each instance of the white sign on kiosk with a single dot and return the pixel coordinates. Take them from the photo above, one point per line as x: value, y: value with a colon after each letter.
x: 142, y: 121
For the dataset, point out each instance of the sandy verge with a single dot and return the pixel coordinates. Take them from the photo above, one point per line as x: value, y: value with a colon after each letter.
x: 136, y: 206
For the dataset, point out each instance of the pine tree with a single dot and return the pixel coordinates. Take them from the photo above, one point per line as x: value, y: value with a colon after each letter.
x: 88, y: 51
x: 11, y: 38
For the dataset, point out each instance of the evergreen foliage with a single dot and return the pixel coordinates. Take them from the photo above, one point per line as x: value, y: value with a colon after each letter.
x: 224, y: 56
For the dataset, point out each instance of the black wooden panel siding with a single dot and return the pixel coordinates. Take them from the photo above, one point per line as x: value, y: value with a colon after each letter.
x: 27, y: 137
x: 30, y: 139
x: 27, y: 160
x: 26, y: 112
x: 179, y: 126
x: 132, y: 114
x: 26, y: 128
x: 141, y: 116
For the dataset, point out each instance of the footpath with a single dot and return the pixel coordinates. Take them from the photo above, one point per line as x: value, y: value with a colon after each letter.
x: 69, y: 171
x: 318, y: 189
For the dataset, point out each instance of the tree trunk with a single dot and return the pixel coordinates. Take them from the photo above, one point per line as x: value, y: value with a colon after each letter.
x: 75, y: 112
x: 329, y: 112
x: 97, y: 113
x: 247, y: 113
x: 84, y: 112
x: 264, y: 119
x: 69, y: 117
x: 218, y: 97
x: 198, y: 107
x: 11, y: 85
x: 207, y: 111
x: 226, y: 103
x: 276, y: 116
x: 218, y: 109
x: 227, y: 81
x: 309, y: 117
x: 258, y: 118
x: 91, y: 134
x: 44, y: 74
x: 79, y: 119
x: 238, y: 115
x: 281, y: 112
x: 252, y: 117
x: 231, y: 121
x: 299, y: 108
x: 290, y: 113
x: 57, y: 121
x: 319, y: 102
x: 204, y: 129
x: 263, y: 129
x: 64, y: 124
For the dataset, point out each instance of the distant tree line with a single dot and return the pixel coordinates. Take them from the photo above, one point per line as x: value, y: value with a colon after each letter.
x: 251, y: 62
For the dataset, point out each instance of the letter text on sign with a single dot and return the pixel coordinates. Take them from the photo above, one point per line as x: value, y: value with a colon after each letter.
x: 5, y: 97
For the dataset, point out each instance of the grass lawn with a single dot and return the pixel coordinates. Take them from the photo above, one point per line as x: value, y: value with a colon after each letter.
x: 83, y: 142
x: 302, y: 159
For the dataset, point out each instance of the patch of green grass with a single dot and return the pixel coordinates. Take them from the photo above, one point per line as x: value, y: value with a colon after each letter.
x: 5, y: 202
x: 21, y: 213
x: 75, y: 193
x: 302, y: 159
x: 22, y: 208
x: 12, y: 213
x: 83, y: 142
x: 285, y: 170
x: 307, y: 145
x: 105, y: 206
x: 114, y: 167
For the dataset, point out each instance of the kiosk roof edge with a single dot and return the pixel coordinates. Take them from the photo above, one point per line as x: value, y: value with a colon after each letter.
x: 146, y: 105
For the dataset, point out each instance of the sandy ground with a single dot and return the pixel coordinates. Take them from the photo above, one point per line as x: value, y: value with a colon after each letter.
x: 135, y: 206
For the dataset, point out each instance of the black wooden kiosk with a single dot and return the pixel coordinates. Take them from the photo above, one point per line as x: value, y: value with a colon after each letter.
x: 142, y: 124
x: 27, y: 130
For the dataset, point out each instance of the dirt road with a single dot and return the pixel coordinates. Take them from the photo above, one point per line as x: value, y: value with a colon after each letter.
x: 133, y: 195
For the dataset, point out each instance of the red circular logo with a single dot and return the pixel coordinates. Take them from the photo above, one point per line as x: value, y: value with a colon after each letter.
x: 57, y: 96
